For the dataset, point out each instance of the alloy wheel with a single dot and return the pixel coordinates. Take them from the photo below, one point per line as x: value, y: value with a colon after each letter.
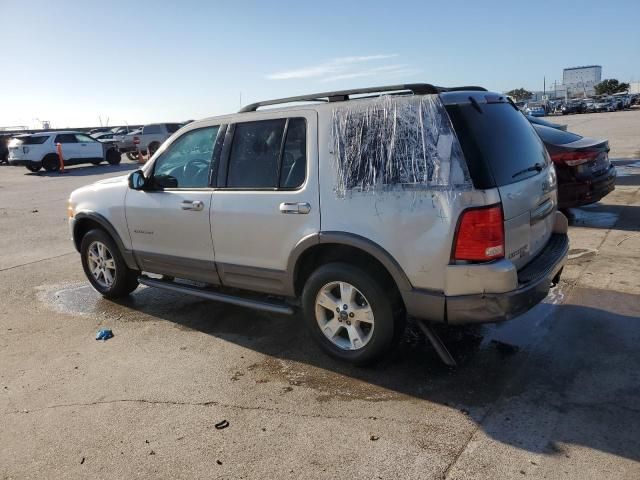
x: 101, y: 264
x: 344, y: 315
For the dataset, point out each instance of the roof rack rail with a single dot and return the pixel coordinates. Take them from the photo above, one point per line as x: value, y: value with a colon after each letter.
x: 342, y: 95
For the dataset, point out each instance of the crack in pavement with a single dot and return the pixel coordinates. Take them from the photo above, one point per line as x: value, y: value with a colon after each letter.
x: 36, y: 261
x: 215, y: 403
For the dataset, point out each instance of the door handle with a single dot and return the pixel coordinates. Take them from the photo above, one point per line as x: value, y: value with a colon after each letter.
x: 196, y: 205
x: 298, y: 208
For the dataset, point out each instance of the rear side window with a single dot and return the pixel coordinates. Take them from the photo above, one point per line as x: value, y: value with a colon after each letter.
x: 294, y: 155
x: 555, y: 136
x: 150, y: 129
x: 255, y: 151
x: 39, y: 140
x: 173, y: 127
x: 498, y: 142
x: 66, y: 138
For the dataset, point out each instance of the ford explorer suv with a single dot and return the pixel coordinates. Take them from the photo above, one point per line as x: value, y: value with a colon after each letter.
x: 39, y: 150
x: 357, y: 208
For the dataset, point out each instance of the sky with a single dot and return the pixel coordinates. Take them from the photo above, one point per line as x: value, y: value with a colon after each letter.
x: 79, y: 63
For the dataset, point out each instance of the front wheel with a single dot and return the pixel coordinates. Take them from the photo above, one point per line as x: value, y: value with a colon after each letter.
x: 113, y: 157
x: 349, y: 313
x: 104, y: 266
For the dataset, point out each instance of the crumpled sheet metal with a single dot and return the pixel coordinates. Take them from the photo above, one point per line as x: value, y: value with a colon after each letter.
x: 396, y: 142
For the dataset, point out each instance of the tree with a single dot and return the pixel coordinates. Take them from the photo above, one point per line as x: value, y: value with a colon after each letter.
x: 611, y: 86
x: 520, y: 94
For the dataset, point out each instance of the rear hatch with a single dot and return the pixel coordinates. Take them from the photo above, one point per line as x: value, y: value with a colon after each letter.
x: 503, y: 151
x: 21, y: 146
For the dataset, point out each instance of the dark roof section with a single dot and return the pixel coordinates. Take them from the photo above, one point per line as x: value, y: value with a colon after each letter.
x: 344, y: 95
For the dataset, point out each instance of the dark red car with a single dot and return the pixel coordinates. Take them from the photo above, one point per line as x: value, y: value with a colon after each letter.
x: 585, y: 174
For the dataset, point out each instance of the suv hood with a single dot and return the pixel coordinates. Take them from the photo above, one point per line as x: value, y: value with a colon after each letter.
x: 118, y: 179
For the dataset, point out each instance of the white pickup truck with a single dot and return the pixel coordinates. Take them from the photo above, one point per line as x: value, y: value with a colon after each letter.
x: 153, y: 135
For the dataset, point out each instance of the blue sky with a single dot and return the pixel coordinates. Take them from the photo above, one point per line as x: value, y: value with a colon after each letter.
x: 70, y: 62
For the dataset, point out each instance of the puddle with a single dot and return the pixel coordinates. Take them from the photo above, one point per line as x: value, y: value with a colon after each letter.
x: 587, y: 217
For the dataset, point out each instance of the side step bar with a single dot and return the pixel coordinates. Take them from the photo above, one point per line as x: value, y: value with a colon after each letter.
x: 266, y: 306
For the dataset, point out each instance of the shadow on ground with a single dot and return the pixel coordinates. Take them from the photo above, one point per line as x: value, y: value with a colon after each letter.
x: 562, y: 373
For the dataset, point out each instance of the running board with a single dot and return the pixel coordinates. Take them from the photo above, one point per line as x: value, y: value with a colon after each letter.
x: 216, y: 296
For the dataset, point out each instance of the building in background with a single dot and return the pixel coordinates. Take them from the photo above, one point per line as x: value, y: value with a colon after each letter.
x: 581, y: 80
x: 634, y: 87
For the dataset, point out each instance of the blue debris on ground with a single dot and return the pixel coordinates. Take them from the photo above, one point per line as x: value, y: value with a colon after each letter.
x: 104, y: 334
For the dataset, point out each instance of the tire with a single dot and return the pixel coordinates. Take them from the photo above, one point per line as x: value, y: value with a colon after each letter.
x: 153, y: 146
x: 133, y: 156
x: 371, y: 299
x: 113, y: 157
x: 113, y: 278
x: 96, y: 162
x: 51, y: 163
x: 34, y: 167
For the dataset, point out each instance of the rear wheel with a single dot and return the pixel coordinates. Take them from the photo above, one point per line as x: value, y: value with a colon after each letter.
x: 350, y: 313
x: 104, y: 266
x: 34, y: 167
x: 113, y: 157
x: 51, y: 163
x: 96, y: 162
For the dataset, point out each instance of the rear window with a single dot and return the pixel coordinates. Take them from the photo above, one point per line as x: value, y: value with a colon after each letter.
x: 39, y: 140
x: 555, y: 136
x: 498, y: 142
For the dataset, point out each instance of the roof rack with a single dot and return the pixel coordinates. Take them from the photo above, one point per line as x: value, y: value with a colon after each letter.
x: 343, y: 95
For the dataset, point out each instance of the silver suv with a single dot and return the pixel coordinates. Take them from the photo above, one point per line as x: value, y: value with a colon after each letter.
x: 359, y: 207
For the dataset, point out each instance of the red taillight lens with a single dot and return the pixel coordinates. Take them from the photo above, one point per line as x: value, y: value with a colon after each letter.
x: 480, y: 235
x: 574, y: 158
x: 136, y: 140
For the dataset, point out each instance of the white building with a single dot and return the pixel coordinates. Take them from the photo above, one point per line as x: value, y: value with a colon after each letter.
x: 581, y: 80
x: 634, y: 87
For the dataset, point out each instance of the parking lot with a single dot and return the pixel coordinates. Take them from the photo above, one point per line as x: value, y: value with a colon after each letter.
x: 552, y: 394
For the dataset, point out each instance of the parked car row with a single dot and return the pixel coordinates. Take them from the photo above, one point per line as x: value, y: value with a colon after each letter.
x: 610, y: 103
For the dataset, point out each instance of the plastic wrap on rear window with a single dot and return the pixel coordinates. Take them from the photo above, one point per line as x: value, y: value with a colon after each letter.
x: 396, y: 143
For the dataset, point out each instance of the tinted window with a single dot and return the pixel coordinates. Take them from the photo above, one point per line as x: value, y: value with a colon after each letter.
x: 555, y: 136
x: 31, y: 140
x: 148, y: 129
x: 173, y: 127
x: 84, y: 138
x: 294, y: 156
x: 253, y: 162
x: 66, y: 138
x: 188, y: 159
x: 498, y: 142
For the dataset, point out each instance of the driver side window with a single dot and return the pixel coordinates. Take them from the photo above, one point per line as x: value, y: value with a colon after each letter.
x: 186, y: 163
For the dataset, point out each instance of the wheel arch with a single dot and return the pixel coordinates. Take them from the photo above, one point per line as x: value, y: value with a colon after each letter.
x: 86, y: 221
x: 314, y: 250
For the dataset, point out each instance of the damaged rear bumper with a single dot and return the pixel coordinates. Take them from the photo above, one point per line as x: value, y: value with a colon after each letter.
x: 534, y: 282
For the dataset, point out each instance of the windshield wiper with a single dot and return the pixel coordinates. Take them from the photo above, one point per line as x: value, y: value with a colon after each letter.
x: 537, y: 167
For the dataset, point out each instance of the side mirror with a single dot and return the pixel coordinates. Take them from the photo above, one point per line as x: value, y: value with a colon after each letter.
x: 137, y: 180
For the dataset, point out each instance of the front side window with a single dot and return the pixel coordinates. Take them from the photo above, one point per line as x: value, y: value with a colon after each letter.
x: 186, y: 163
x: 255, y: 152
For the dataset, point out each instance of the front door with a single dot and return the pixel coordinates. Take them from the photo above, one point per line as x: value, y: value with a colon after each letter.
x: 89, y: 147
x: 267, y: 199
x: 169, y: 220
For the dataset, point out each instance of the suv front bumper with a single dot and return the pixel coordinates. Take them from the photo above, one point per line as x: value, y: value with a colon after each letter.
x: 534, y: 282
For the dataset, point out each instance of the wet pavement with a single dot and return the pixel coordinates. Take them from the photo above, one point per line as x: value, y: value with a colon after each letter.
x: 552, y: 394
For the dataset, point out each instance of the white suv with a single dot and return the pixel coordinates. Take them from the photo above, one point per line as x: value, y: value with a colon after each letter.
x: 435, y: 203
x: 39, y: 150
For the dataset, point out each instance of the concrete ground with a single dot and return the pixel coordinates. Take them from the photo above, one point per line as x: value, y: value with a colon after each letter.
x: 553, y: 394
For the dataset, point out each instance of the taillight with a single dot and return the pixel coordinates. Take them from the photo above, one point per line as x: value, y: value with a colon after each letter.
x: 480, y: 234
x: 136, y: 140
x: 577, y: 157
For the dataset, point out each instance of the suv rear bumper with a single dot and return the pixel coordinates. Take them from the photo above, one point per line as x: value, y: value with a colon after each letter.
x: 534, y: 282
x: 22, y: 162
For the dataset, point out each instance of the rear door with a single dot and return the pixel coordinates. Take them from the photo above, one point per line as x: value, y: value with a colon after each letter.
x: 504, y: 152
x: 70, y: 146
x: 267, y: 199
